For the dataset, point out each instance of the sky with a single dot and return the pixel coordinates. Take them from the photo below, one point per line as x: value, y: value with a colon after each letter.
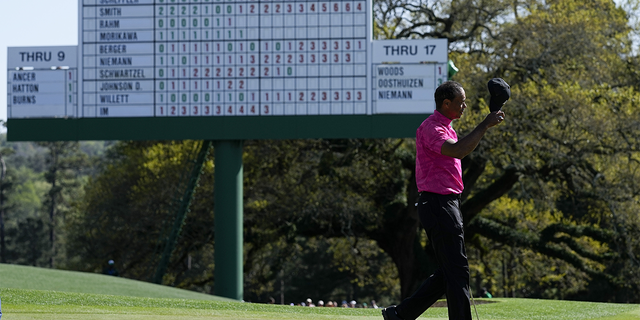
x: 27, y: 23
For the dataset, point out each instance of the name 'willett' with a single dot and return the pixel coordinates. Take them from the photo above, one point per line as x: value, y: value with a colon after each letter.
x: 396, y: 83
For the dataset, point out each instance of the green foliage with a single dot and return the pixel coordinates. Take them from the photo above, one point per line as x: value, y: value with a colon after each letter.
x: 465, y: 20
x: 64, y: 161
x: 129, y: 209
x: 25, y: 190
x: 326, y: 189
x: 568, y: 150
x: 289, y: 194
x: 570, y: 124
x: 330, y: 269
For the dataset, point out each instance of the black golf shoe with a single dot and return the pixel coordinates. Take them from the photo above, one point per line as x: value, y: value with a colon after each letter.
x: 389, y: 313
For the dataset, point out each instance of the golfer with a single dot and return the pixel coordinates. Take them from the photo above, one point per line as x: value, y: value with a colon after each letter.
x: 439, y: 180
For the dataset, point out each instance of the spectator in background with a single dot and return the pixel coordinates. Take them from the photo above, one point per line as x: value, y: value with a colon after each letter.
x: 344, y: 304
x: 111, y: 269
x: 272, y: 300
x: 373, y: 304
x: 485, y: 293
x: 352, y: 304
x: 320, y: 303
x: 310, y: 303
x: 329, y: 304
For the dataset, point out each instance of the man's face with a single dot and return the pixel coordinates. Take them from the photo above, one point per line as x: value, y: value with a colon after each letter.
x: 453, y: 109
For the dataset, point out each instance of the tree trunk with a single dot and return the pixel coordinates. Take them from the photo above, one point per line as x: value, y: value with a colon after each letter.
x: 3, y: 247
x: 52, y: 212
x: 398, y: 238
x: 3, y: 257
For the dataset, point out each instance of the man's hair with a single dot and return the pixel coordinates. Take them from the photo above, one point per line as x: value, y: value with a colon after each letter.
x: 448, y: 90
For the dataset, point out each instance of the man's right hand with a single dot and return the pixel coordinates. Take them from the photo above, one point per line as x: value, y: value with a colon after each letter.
x: 494, y: 118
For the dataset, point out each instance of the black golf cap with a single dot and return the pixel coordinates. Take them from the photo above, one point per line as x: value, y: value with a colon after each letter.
x: 500, y: 93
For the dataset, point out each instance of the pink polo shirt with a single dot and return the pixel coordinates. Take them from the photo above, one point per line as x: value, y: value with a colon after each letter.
x: 436, y: 172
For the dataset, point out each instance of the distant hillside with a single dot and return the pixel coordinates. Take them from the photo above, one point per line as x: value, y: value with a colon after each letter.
x: 24, y: 277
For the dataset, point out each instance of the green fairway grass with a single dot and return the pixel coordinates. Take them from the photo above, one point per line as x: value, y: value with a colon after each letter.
x: 25, y: 277
x: 75, y: 301
x: 36, y: 304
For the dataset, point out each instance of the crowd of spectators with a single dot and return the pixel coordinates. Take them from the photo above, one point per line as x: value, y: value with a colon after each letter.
x: 335, y: 304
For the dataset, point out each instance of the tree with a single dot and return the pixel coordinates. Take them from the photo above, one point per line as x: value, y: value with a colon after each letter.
x: 321, y: 190
x: 4, y: 185
x: 126, y: 207
x: 467, y: 21
x: 568, y: 63
x: 354, y: 189
x: 64, y: 161
x: 564, y: 123
x: 129, y: 209
x: 576, y: 94
x: 29, y: 239
x: 21, y: 193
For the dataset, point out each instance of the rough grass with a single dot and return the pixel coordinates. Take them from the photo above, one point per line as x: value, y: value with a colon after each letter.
x: 133, y: 302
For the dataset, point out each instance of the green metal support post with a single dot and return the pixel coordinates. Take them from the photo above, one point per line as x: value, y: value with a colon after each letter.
x: 228, y: 212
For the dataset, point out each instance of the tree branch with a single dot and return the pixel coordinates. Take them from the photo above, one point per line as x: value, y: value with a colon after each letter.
x: 472, y: 206
x: 497, y: 232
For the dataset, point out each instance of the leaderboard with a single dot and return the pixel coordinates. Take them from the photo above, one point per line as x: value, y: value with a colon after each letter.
x: 42, y: 82
x: 406, y: 73
x: 157, y: 58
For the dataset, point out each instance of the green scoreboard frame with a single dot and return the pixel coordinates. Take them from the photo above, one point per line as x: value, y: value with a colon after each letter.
x: 215, y: 128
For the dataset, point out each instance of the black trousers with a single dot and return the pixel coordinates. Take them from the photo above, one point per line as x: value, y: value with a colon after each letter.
x: 441, y: 218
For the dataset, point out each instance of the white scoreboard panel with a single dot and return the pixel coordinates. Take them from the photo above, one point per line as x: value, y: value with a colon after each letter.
x: 192, y: 58
x: 406, y: 88
x: 406, y: 73
x: 42, y: 82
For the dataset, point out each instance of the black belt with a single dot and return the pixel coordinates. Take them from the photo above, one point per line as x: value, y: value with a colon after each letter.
x: 450, y: 195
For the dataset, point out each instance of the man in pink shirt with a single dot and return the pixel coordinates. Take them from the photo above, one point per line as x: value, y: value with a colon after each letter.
x: 439, y: 180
